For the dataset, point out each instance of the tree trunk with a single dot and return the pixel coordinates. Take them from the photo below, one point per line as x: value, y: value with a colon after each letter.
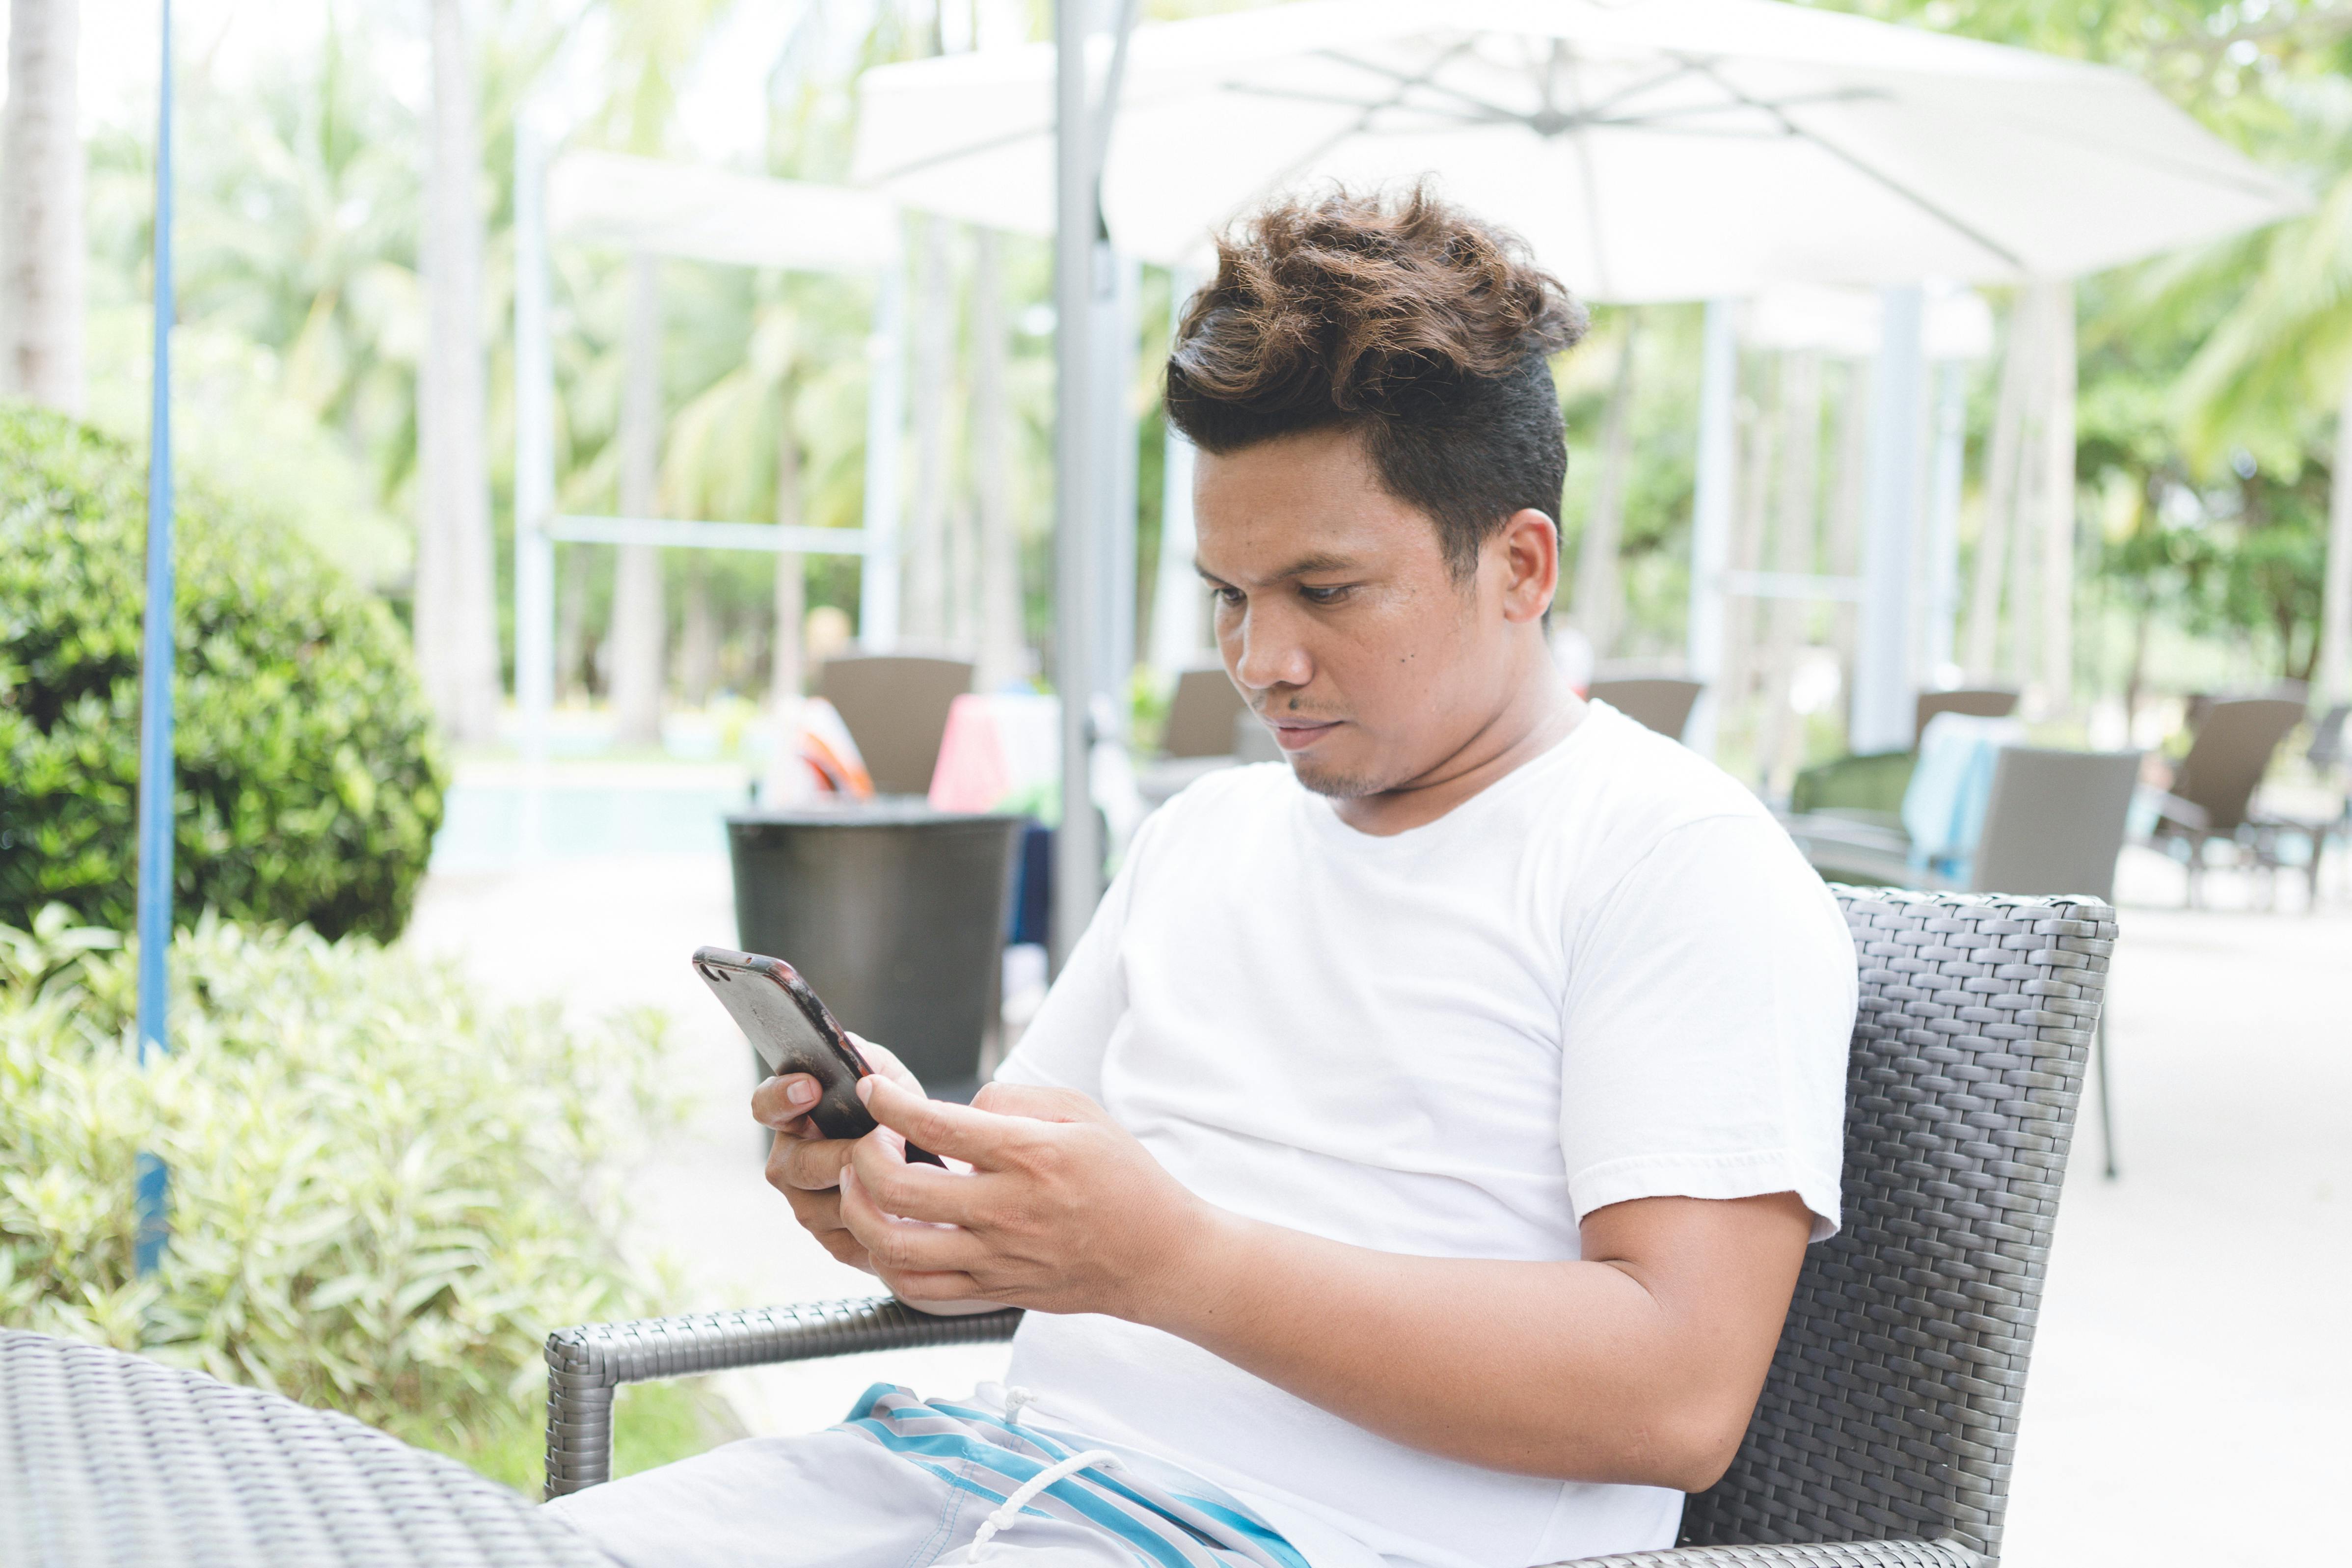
x: 698, y: 640
x: 1778, y: 745
x: 2334, y: 671
x: 41, y: 250
x: 2056, y: 457
x: 926, y: 617
x: 785, y: 675
x: 572, y: 673
x: 2029, y: 513
x: 1600, y: 597
x: 455, y: 613
x: 638, y: 623
x: 1846, y: 514
x: 1735, y: 710
x: 2000, y: 512
x: 1003, y: 651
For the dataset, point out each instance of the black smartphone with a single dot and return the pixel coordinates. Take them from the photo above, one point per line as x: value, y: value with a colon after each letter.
x: 794, y: 1032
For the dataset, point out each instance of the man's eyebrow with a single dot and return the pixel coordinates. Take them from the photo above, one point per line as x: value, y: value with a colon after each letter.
x: 1303, y: 566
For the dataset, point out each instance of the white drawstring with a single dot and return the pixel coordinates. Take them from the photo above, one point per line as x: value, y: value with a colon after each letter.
x: 1005, y: 1517
x: 1014, y: 1398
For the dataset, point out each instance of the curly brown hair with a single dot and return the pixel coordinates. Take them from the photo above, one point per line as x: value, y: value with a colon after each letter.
x: 1400, y: 317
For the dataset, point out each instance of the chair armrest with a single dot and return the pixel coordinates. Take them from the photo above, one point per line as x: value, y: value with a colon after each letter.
x: 2184, y: 814
x: 1848, y: 850
x: 585, y: 1365
x: 1824, y: 1554
x: 1847, y: 832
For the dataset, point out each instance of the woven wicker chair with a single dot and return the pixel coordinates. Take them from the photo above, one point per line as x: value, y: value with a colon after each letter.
x: 1887, y: 1425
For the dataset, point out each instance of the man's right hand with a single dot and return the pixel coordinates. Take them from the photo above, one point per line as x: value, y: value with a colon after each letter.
x: 804, y: 1164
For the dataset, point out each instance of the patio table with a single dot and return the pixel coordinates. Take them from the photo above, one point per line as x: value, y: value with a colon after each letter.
x: 107, y: 1459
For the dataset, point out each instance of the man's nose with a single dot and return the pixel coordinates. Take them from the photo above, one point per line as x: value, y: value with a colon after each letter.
x: 1270, y: 652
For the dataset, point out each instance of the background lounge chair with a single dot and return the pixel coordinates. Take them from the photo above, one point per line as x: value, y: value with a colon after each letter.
x: 2211, y: 798
x: 1661, y: 703
x: 1977, y: 701
x: 895, y: 706
x: 2053, y: 823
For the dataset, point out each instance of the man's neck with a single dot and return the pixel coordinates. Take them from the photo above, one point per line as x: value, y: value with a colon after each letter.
x: 1540, y: 713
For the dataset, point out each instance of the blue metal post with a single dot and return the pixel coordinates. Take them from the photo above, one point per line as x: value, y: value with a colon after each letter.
x: 155, y: 771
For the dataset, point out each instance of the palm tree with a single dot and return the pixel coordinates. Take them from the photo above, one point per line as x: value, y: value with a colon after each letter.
x: 41, y: 250
x: 457, y: 614
x: 653, y: 42
x: 2286, y: 348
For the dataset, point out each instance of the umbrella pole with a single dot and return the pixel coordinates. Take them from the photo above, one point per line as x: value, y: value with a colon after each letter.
x: 155, y: 766
x: 1077, y: 850
x: 1085, y: 295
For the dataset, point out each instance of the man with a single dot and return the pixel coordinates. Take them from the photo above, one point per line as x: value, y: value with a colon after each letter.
x: 1413, y: 1164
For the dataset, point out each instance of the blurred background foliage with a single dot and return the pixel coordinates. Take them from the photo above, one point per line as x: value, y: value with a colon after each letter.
x: 2208, y: 394
x: 384, y: 1189
x: 310, y: 773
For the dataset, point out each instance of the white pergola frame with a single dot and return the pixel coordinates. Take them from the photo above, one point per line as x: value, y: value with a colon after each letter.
x: 1913, y: 474
x: 682, y: 232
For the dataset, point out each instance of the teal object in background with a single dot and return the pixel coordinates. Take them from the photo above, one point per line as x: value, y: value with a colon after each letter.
x: 1944, y: 803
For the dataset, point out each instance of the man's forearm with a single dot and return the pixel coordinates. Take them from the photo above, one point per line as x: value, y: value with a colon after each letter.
x: 1584, y: 1371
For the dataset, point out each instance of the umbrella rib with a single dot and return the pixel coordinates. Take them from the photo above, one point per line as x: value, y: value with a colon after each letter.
x: 1477, y: 112
x: 1957, y: 224
x: 1406, y: 81
x: 968, y: 149
x: 1561, y: 53
x: 1854, y: 162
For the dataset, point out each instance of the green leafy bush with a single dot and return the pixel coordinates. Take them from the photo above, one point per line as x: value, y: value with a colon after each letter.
x: 309, y: 776
x: 384, y: 1192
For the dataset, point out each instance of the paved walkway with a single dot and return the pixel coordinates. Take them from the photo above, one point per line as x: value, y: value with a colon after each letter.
x: 2192, y: 1372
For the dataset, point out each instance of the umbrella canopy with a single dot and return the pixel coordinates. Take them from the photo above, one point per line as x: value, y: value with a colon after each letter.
x: 1651, y: 150
x: 716, y: 215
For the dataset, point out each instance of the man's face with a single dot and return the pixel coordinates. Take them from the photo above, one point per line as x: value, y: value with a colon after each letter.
x: 1338, y: 619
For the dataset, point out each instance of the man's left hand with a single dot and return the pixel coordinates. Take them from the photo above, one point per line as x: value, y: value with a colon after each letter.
x: 1062, y: 1211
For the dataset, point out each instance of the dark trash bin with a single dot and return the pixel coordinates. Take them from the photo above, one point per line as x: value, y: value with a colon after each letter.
x: 895, y: 912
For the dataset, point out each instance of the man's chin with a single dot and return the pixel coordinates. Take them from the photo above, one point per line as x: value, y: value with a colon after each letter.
x: 1333, y: 778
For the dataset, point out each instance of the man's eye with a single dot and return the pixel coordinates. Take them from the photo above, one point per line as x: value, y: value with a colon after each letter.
x: 1229, y: 597
x: 1325, y: 595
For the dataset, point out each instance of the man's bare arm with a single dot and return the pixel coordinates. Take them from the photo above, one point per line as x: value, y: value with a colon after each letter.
x: 1639, y: 1363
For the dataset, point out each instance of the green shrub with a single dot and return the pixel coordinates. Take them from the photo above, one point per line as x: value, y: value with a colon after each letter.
x: 384, y: 1192
x: 309, y: 777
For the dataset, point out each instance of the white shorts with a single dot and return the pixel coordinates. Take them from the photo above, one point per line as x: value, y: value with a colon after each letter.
x: 904, y: 1483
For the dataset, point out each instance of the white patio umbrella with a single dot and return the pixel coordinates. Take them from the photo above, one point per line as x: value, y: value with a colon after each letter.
x: 1650, y: 149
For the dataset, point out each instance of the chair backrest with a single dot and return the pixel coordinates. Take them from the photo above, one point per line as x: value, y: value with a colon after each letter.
x: 1975, y: 701
x: 1201, y: 714
x: 2054, y: 822
x: 1890, y: 1413
x: 1659, y: 702
x: 2231, y: 749
x: 895, y: 706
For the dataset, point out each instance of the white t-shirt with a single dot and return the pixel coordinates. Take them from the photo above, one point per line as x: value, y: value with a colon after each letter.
x: 1609, y: 975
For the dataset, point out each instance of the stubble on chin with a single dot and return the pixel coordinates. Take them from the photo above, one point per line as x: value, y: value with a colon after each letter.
x: 1335, y: 783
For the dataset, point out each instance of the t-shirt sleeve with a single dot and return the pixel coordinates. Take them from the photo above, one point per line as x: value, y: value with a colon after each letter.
x: 1709, y: 1007
x: 1064, y: 1044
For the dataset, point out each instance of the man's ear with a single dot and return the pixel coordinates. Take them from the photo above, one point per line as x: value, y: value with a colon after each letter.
x: 1529, y: 544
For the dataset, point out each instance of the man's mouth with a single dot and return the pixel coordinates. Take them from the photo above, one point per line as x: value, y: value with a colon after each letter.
x: 1297, y: 734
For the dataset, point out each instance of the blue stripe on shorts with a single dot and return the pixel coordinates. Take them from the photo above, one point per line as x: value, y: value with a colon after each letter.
x: 1166, y: 1517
